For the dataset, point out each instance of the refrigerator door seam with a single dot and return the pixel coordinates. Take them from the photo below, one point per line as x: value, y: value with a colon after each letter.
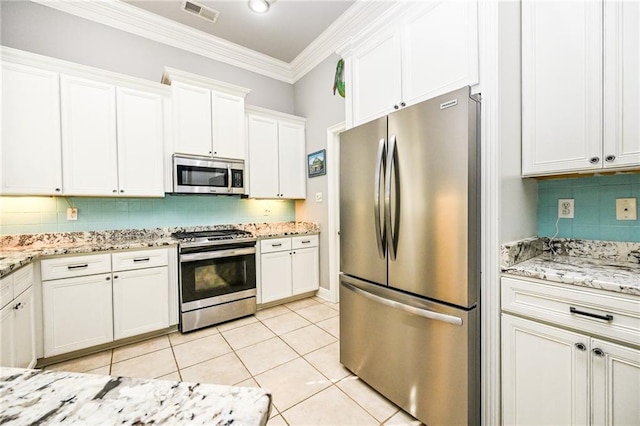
x: 425, y: 313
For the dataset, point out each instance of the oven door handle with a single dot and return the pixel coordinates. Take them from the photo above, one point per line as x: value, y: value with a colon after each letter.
x: 216, y: 254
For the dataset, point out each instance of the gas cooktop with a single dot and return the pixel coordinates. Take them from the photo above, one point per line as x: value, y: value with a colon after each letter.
x: 215, y: 236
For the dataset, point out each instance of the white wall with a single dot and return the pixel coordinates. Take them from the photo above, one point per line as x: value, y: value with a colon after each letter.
x: 518, y: 197
x: 314, y: 99
x: 43, y: 30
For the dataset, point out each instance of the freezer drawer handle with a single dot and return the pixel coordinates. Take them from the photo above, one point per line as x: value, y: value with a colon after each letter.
x: 589, y: 314
x: 425, y: 313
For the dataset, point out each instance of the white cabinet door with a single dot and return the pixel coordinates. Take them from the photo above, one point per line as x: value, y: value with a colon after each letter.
x: 622, y: 83
x: 89, y: 150
x: 561, y: 86
x: 140, y: 143
x: 439, y: 50
x: 140, y: 301
x: 77, y: 313
x: 544, y: 374
x: 615, y: 386
x: 263, y: 157
x: 305, y: 270
x: 275, y: 276
x: 291, y: 160
x: 24, y: 330
x: 228, y: 125
x: 192, y: 119
x: 31, y: 151
x: 376, y: 78
x: 7, y: 352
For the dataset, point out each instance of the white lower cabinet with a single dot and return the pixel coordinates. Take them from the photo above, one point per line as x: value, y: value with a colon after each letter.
x: 140, y: 301
x: 288, y: 266
x: 87, y: 302
x: 17, y: 324
x: 552, y: 375
x: 77, y: 313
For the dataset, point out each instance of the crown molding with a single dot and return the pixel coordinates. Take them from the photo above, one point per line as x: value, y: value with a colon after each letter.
x: 171, y: 74
x: 128, y: 18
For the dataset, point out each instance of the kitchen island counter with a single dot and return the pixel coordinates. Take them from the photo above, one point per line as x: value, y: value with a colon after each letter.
x: 50, y: 397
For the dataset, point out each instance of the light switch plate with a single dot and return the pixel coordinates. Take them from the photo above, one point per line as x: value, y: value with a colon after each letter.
x: 626, y: 209
x: 318, y: 197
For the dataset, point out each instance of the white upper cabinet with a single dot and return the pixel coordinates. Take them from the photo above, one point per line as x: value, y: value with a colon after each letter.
x: 30, y: 131
x: 429, y: 49
x: 140, y: 143
x: 81, y: 131
x: 208, y: 115
x: 575, y: 117
x: 89, y: 137
x: 621, y: 84
x: 277, y: 167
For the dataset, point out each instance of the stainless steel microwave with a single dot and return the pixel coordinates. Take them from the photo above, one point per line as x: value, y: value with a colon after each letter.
x: 203, y: 175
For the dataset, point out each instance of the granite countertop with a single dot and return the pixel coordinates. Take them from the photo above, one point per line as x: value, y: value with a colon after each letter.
x: 50, y: 397
x: 19, y: 250
x: 604, y: 265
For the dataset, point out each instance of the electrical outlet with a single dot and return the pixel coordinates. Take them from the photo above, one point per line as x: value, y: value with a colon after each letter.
x: 626, y: 209
x: 267, y: 212
x: 565, y: 208
x: 72, y: 213
x: 318, y: 197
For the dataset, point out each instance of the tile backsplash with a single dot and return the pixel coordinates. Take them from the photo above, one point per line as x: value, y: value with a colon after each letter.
x: 594, y: 207
x: 28, y: 215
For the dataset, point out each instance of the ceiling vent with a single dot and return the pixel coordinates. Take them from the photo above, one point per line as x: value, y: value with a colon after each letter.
x: 201, y: 11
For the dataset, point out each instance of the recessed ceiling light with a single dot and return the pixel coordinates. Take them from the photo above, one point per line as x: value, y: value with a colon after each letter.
x: 259, y: 6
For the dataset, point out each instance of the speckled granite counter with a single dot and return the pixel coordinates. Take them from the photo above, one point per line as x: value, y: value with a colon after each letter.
x: 19, y: 250
x: 49, y: 397
x: 605, y: 265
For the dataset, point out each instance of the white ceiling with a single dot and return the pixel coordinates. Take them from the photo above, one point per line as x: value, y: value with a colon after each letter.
x: 282, y: 33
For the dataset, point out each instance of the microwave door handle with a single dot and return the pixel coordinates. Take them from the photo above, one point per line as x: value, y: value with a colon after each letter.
x: 379, y: 173
x: 229, y: 175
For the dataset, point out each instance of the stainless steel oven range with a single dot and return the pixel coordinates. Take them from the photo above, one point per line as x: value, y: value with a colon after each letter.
x: 217, y: 277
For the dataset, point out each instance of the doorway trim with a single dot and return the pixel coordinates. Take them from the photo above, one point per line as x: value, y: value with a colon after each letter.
x: 333, y: 210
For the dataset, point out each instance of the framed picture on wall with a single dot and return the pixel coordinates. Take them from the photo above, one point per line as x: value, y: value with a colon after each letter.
x: 316, y: 163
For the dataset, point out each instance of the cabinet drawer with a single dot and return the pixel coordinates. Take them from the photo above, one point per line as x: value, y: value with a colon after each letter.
x: 275, y: 244
x: 6, y: 290
x: 22, y: 279
x: 304, y: 241
x: 75, y: 266
x: 601, y: 313
x: 139, y: 259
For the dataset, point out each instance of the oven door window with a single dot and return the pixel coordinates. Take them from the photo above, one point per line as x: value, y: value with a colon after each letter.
x: 202, y: 279
x: 203, y: 176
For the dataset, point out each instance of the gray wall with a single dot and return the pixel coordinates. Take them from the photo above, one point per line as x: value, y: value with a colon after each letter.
x: 43, y: 30
x: 314, y: 100
x: 518, y: 197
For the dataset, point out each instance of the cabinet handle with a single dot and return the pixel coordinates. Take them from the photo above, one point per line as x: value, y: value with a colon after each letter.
x: 402, y: 104
x: 72, y: 267
x: 396, y: 107
x: 122, y: 190
x: 58, y: 190
x: 18, y: 306
x: 276, y: 245
x: 589, y: 314
x: 115, y: 191
x: 581, y: 346
x: 108, y: 278
x: 305, y: 241
x: 142, y: 259
x: 594, y: 160
x: 598, y: 352
x: 115, y: 277
x: 610, y: 158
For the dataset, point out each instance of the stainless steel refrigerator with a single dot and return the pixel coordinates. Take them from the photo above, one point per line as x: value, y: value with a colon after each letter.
x: 410, y: 255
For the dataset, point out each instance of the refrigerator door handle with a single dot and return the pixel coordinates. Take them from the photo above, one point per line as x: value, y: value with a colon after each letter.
x: 380, y: 224
x: 425, y: 313
x: 392, y: 165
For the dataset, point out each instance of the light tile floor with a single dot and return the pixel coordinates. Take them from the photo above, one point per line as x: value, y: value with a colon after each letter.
x: 291, y: 349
